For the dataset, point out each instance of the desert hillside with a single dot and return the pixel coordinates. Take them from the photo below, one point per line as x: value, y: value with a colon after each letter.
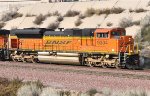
x: 91, y: 14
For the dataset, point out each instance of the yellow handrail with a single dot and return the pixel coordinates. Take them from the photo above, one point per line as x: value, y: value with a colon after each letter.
x: 137, y: 50
x: 129, y: 49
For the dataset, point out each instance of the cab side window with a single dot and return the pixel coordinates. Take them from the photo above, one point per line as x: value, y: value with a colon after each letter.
x: 102, y: 35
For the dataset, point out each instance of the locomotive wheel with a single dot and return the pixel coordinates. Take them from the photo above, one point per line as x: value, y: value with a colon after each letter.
x: 34, y: 60
x: 14, y: 59
x: 24, y: 60
x: 90, y: 64
x: 117, y: 64
x: 104, y: 65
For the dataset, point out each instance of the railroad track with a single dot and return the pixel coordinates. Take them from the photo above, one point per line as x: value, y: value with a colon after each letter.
x: 121, y: 73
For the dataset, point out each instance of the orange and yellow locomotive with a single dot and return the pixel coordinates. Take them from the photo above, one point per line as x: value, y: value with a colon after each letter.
x: 106, y: 47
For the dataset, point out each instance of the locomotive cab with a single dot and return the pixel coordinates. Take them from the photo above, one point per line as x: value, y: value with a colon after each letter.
x: 128, y: 56
x: 115, y: 42
x: 125, y: 43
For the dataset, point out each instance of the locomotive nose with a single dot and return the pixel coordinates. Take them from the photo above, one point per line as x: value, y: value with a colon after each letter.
x: 127, y: 44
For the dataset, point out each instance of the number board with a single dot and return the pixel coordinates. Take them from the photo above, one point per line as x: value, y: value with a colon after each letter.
x: 102, y: 42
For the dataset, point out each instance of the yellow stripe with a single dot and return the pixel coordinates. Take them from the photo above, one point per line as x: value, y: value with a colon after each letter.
x: 13, y: 37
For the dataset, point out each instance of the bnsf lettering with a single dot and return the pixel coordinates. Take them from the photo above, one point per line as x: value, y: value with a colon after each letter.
x: 58, y: 42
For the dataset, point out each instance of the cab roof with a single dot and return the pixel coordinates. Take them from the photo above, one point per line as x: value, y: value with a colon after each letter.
x: 105, y: 30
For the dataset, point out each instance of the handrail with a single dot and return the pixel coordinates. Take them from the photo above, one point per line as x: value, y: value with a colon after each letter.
x: 137, y: 48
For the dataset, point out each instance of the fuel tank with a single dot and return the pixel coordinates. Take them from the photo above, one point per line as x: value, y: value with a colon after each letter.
x: 59, y: 58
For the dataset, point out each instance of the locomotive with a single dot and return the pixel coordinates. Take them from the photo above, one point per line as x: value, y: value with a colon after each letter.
x: 105, y: 47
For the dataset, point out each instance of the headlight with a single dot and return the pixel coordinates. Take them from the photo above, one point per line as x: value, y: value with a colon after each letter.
x: 113, y: 50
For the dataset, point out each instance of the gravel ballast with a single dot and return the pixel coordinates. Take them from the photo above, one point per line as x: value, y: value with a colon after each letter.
x: 75, y: 80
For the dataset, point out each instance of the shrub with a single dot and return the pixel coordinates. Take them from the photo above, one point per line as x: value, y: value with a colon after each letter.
x: 109, y: 24
x: 140, y: 10
x: 16, y: 15
x: 145, y: 21
x: 125, y: 22
x: 30, y: 15
x: 56, y: 13
x: 5, y: 17
x: 37, y: 83
x: 50, y: 92
x: 105, y: 11
x: 2, y: 24
x: 64, y: 93
x: 106, y: 92
x: 117, y: 10
x: 29, y: 90
x: 72, y: 13
x: 109, y: 11
x: 91, y: 92
x: 78, y: 22
x: 90, y: 12
x: 131, y: 10
x: 145, y: 52
x: 48, y: 14
x: 10, y: 15
x: 98, y: 25
x: 60, y: 18
x: 9, y: 88
x: 145, y: 33
x: 98, y: 12
x: 148, y: 3
x: 136, y: 23
x: 81, y: 16
x: 54, y: 25
x: 143, y: 36
x: 137, y: 10
x: 38, y: 20
x: 134, y: 93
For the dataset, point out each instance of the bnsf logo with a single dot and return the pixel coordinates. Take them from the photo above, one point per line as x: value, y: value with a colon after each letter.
x: 58, y: 42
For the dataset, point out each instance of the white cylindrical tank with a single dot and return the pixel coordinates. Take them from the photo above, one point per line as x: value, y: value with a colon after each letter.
x: 59, y: 59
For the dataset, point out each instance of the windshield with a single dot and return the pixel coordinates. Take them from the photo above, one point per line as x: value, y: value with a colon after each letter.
x: 118, y: 33
x: 115, y: 33
x: 123, y: 33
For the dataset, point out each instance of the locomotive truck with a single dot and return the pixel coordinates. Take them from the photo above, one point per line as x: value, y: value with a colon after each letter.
x: 105, y: 47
